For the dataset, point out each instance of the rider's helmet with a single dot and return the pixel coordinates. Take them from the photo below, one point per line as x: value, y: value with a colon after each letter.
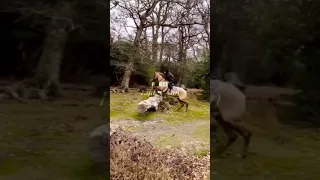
x: 166, y: 71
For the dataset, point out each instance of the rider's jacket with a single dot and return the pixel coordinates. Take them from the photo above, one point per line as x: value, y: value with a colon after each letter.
x: 169, y: 76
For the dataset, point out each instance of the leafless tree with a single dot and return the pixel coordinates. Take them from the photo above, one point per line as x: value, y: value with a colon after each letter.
x: 155, y: 14
x: 58, y: 20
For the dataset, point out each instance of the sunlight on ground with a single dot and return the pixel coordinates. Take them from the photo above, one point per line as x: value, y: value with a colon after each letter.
x: 124, y: 106
x: 172, y: 130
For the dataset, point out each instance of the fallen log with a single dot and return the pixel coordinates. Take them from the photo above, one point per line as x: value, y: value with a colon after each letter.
x: 99, y: 144
x: 150, y: 103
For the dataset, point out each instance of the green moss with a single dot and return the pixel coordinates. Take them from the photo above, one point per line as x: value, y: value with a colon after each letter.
x: 43, y: 141
x: 10, y: 166
x: 143, y: 117
x: 202, y: 133
x: 113, y: 114
x: 124, y: 106
x: 201, y: 152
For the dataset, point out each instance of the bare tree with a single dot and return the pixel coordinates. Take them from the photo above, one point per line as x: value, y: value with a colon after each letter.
x: 139, y: 11
x: 48, y: 71
x: 154, y: 14
x: 57, y: 17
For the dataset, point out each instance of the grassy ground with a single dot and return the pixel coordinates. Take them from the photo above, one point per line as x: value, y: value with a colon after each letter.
x: 47, y: 141
x: 124, y: 106
x: 279, y: 150
x: 175, y: 129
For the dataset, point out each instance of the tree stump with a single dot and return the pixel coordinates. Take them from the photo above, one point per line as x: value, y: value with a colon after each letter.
x: 150, y: 103
x: 99, y: 144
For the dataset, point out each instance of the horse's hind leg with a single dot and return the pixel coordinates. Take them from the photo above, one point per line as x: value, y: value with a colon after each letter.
x: 187, y: 105
x: 232, y: 137
x: 245, y: 133
x: 182, y: 102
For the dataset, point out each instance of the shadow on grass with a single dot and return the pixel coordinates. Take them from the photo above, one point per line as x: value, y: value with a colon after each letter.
x: 147, y: 116
x: 92, y: 170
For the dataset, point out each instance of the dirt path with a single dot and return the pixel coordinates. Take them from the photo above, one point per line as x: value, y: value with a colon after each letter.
x: 158, y: 131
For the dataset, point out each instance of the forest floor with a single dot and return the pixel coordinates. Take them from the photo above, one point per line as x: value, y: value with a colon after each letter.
x: 49, y: 141
x: 189, y: 130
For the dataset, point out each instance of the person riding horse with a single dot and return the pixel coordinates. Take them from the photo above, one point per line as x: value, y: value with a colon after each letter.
x: 170, y: 78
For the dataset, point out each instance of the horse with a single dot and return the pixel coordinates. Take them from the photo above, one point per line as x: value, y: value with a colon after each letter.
x: 179, y: 92
x: 227, y: 106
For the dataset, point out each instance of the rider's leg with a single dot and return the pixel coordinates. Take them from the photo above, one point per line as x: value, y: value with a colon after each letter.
x: 170, y: 86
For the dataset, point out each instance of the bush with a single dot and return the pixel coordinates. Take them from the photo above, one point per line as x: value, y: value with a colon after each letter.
x: 201, y: 76
x: 308, y: 100
x: 131, y: 158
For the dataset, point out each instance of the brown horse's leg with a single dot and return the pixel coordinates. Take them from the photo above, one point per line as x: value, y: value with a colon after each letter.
x: 187, y: 105
x: 182, y: 102
x: 245, y: 133
x: 232, y: 136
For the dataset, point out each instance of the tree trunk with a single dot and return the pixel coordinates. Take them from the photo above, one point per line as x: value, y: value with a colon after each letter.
x: 48, y: 70
x: 155, y: 43
x: 130, y: 65
x: 47, y: 75
x: 146, y: 45
x: 162, y: 46
x: 127, y: 74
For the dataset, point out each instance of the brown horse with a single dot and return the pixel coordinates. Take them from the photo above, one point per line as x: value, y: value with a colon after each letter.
x: 178, y: 92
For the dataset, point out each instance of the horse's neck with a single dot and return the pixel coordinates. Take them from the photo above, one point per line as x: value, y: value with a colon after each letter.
x: 161, y: 78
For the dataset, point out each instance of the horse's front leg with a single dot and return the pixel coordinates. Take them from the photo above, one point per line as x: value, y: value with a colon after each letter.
x: 156, y: 92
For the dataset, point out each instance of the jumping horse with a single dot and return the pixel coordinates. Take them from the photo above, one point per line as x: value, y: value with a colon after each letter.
x: 178, y: 92
x: 228, y: 105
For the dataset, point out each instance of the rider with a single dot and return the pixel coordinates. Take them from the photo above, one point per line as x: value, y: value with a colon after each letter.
x: 170, y: 78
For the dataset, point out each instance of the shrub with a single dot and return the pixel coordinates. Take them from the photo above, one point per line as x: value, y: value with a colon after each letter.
x: 131, y: 158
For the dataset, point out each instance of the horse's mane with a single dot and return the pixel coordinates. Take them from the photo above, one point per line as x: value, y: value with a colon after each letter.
x: 161, y: 74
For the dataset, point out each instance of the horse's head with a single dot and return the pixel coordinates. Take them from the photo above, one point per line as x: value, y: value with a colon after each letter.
x: 158, y: 76
x: 155, y: 76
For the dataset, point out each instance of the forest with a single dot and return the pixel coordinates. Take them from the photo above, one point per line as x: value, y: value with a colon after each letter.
x: 66, y: 53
